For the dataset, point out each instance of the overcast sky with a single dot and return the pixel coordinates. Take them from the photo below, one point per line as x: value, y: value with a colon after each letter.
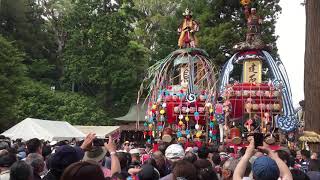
x: 291, y: 43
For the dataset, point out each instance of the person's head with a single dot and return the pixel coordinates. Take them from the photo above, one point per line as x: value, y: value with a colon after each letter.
x: 216, y: 159
x: 265, y: 168
x: 34, y: 146
x: 83, y: 171
x: 302, y: 104
x: 46, y: 151
x: 202, y: 163
x: 314, y: 165
x: 96, y: 154
x: 203, y: 152
x: 228, y: 168
x: 126, y: 146
x: 284, y: 156
x: 123, y: 159
x: 253, y: 10
x: 221, y: 148
x: 36, y: 161
x: 184, y: 169
x: 174, y: 152
x: 148, y: 172
x: 20, y: 170
x: 298, y: 155
x: 314, y: 155
x: 305, y: 154
x: 159, y: 158
x: 299, y: 175
x: 64, y: 156
x: 7, y: 159
x: 191, y: 157
x: 207, y: 173
x: 4, y: 145
x: 162, y: 147
x: 135, y: 154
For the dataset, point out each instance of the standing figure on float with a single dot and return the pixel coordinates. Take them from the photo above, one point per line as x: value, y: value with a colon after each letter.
x: 187, y: 30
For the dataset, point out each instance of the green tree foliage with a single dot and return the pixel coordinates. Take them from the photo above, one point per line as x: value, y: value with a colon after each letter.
x: 39, y: 101
x: 11, y: 76
x: 101, y: 57
x: 222, y: 24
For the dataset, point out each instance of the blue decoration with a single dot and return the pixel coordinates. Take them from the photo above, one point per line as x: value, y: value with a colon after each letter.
x: 187, y: 131
x: 211, y: 125
x: 149, y: 140
x: 214, y: 138
x: 166, y: 93
x: 159, y: 127
x: 145, y: 124
x: 179, y: 134
x: 196, y: 114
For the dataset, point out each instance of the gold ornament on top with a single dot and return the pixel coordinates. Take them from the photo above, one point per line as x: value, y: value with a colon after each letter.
x: 245, y: 2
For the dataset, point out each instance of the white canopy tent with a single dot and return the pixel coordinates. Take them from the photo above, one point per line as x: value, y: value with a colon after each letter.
x: 43, y: 129
x: 101, y: 131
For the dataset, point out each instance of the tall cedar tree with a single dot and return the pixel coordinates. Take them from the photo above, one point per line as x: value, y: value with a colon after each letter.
x: 311, y: 69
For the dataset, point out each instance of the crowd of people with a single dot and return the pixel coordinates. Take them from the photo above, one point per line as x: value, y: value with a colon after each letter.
x: 36, y: 159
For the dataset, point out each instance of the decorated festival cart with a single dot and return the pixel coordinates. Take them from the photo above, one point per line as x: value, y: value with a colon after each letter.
x: 181, y: 90
x: 257, y: 88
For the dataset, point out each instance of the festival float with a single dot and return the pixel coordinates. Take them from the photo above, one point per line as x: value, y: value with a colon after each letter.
x: 181, y: 91
x: 254, y: 90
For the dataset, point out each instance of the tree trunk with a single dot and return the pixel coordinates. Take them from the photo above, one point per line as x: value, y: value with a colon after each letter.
x: 312, y: 68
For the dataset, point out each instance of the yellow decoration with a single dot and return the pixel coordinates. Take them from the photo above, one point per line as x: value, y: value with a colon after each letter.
x: 150, y: 126
x: 252, y: 71
x: 180, y: 123
x: 198, y: 134
x: 187, y: 118
x: 210, y: 110
x: 245, y: 2
x: 310, y: 136
x: 162, y: 111
x: 154, y: 106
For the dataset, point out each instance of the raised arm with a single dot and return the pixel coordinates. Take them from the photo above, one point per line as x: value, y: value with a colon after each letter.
x: 285, y: 173
x: 242, y: 165
x: 115, y: 163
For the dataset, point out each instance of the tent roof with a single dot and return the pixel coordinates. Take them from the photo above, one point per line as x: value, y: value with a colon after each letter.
x: 136, y: 111
x: 43, y: 129
x: 101, y: 131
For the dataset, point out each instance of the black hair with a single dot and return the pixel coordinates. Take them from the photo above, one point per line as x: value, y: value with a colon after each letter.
x: 7, y: 159
x: 33, y: 145
x: 299, y: 175
x: 191, y: 157
x: 216, y: 159
x: 203, y: 152
x: 284, y: 156
x: 83, y: 171
x: 305, y: 153
x: 46, y: 150
x: 20, y: 170
x: 207, y: 173
x: 314, y: 165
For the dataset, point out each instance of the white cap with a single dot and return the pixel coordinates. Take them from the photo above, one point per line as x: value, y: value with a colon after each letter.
x: 52, y: 143
x: 174, y: 151
x: 134, y: 151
